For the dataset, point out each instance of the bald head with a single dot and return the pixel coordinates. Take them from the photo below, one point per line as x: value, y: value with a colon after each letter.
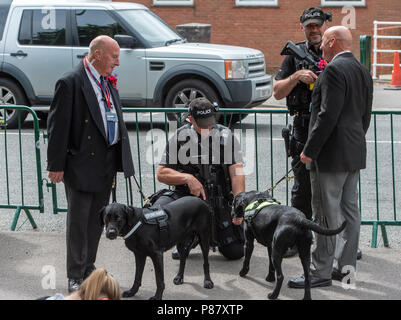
x: 101, y: 43
x: 335, y: 40
x: 104, y: 54
x: 342, y: 35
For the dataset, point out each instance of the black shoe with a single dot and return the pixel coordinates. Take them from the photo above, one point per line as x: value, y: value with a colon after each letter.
x: 337, y: 275
x: 299, y: 283
x: 89, y: 271
x: 175, y: 255
x: 73, y: 284
x: 291, y: 252
x: 359, y: 254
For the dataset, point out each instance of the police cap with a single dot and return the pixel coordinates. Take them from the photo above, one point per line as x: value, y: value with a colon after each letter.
x: 314, y: 15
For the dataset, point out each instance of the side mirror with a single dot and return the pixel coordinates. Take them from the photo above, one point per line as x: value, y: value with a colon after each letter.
x: 125, y: 41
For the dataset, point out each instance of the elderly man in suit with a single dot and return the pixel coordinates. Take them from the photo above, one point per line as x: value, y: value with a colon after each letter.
x: 88, y: 144
x: 336, y: 151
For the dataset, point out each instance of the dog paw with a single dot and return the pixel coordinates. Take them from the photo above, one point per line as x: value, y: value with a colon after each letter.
x: 272, y: 296
x: 208, y: 284
x: 129, y: 293
x: 155, y: 298
x: 271, y: 278
x: 243, y: 272
x: 178, y: 280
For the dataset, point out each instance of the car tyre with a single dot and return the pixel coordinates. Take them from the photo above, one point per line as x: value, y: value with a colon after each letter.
x: 184, y: 92
x: 11, y: 94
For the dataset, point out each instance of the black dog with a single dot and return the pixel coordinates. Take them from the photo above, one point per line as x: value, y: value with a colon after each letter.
x: 187, y: 216
x: 278, y: 228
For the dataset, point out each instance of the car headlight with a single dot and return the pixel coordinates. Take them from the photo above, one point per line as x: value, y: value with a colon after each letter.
x: 235, y: 69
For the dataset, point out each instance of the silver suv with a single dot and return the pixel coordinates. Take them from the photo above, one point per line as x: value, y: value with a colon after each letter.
x: 41, y: 40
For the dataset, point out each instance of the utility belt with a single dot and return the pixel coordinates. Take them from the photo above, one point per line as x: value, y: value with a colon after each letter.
x: 302, y: 114
x: 293, y: 147
x: 299, y: 111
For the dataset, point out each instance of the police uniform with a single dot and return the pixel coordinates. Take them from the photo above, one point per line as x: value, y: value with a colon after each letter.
x: 186, y: 152
x: 298, y: 103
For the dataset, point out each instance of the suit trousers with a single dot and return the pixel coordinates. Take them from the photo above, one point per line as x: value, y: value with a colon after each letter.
x: 335, y: 199
x: 84, y: 229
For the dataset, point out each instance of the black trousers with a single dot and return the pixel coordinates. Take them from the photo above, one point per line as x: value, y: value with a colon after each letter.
x: 84, y: 228
x: 301, y: 195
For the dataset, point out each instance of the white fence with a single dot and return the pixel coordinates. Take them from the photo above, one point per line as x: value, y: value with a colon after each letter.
x: 377, y: 50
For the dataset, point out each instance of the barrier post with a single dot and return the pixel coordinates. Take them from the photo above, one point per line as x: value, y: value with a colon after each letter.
x: 20, y: 205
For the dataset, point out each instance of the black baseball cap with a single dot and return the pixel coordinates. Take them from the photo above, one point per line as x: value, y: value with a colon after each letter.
x: 203, y: 112
x: 314, y: 15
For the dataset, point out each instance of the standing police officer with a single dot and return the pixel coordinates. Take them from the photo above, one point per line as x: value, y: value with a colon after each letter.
x: 293, y: 82
x: 204, y: 159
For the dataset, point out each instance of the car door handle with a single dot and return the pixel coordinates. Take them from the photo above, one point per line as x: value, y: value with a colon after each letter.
x: 81, y: 56
x: 19, y: 53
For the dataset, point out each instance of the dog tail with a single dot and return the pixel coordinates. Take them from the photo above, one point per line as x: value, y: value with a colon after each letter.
x: 317, y: 228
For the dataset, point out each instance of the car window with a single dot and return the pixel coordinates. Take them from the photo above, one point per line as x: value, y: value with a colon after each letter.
x: 43, y: 27
x: 153, y: 29
x: 92, y: 23
x: 4, y: 8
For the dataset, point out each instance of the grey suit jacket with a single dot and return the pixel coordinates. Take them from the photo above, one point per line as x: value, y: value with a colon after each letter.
x: 340, y: 116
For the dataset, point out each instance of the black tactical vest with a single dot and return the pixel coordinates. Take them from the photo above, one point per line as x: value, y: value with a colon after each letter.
x: 300, y: 97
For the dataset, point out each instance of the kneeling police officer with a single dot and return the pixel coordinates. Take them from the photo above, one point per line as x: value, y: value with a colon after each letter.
x: 203, y: 159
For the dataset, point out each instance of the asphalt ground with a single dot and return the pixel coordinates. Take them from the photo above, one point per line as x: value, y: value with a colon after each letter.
x: 33, y: 266
x: 22, y: 250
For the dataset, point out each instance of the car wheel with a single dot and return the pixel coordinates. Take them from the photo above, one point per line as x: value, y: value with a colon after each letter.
x: 184, y: 92
x: 11, y: 94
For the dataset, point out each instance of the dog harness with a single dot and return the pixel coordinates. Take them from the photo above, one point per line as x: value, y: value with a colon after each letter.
x: 152, y: 216
x: 254, y: 207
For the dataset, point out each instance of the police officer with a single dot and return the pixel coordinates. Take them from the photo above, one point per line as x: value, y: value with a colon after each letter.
x: 200, y: 154
x: 293, y: 82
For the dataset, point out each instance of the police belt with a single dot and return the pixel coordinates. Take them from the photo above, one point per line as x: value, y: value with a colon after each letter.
x: 304, y: 114
x: 155, y: 216
x: 255, y: 207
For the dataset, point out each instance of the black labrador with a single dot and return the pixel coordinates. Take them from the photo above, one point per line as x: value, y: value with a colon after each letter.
x: 187, y: 216
x: 278, y: 227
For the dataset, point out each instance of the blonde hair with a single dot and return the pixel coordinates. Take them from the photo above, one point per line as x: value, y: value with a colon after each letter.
x: 100, y: 284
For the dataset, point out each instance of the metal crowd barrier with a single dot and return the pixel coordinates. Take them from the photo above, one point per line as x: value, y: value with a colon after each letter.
x: 14, y: 180
x: 263, y: 151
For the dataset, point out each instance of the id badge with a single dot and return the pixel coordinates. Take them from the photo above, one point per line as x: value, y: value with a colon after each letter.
x: 110, y: 116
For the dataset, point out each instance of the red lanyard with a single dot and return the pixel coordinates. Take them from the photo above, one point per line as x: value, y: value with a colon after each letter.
x: 106, y: 95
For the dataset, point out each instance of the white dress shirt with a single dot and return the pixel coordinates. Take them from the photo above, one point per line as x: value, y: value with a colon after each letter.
x: 100, y: 100
x: 342, y: 52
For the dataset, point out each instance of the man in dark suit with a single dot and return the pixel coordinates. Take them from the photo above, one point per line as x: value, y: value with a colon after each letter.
x: 336, y: 151
x: 88, y: 144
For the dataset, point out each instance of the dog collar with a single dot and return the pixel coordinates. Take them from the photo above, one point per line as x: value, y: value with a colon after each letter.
x: 133, y: 230
x: 254, y: 207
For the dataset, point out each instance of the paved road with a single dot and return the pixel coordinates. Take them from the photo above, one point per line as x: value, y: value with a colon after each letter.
x: 28, y: 260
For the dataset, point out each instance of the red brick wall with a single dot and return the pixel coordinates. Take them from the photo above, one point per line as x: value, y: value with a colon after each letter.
x: 268, y: 28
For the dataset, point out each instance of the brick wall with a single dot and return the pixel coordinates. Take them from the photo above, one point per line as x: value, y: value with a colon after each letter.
x: 268, y: 28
